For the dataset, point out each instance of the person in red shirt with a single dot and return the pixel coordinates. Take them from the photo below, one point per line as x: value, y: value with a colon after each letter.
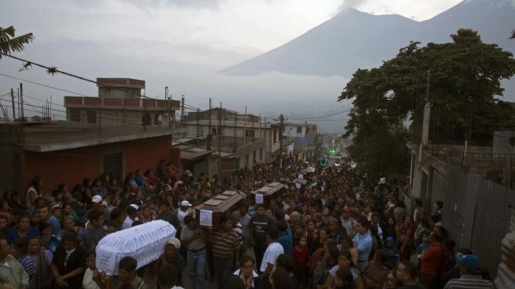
x: 300, y: 255
x: 431, y: 261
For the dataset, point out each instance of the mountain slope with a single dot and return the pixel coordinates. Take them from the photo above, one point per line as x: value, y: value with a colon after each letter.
x: 353, y: 39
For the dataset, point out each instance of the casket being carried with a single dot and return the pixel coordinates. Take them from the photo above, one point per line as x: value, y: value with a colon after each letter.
x: 272, y: 190
x: 209, y: 214
x: 145, y: 243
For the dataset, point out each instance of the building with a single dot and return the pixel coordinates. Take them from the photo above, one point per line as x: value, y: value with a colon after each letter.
x: 233, y: 130
x: 120, y: 101
x: 69, y: 152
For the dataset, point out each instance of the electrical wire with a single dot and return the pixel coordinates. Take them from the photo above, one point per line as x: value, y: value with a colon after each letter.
x: 69, y: 91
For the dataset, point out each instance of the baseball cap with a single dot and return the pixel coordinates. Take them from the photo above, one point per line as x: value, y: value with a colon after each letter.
x: 135, y: 206
x: 175, y: 242
x: 185, y: 204
x: 471, y: 262
x: 346, y: 209
x: 96, y: 199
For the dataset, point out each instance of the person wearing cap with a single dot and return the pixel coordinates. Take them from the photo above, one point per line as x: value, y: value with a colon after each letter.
x: 183, y: 212
x: 470, y: 270
x: 170, y: 256
x: 96, y: 205
x: 132, y: 214
x: 347, y: 221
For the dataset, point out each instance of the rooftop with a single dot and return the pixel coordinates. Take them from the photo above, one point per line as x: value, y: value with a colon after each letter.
x: 121, y: 82
x: 57, y: 136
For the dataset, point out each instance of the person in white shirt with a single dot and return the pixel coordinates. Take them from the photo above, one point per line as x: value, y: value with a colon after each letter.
x: 183, y: 212
x: 132, y: 215
x: 88, y: 282
x: 166, y: 277
x: 274, y: 249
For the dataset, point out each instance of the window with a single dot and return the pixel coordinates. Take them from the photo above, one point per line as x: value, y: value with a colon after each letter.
x: 275, y: 135
x: 215, y: 131
x: 247, y: 160
x: 91, y: 116
x: 75, y: 115
x: 299, y: 129
x: 261, y: 154
x: 250, y: 133
x: 254, y: 157
x: 113, y: 165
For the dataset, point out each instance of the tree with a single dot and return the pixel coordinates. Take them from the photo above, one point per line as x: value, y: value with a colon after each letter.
x: 9, y: 43
x: 512, y: 35
x: 464, y: 81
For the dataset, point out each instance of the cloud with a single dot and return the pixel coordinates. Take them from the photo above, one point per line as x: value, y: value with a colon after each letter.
x: 211, y: 4
x: 351, y: 4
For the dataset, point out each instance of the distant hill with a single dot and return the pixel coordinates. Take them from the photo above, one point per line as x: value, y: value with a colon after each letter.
x: 354, y: 39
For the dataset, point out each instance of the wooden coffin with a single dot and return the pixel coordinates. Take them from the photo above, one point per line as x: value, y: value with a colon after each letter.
x: 271, y: 191
x: 209, y: 213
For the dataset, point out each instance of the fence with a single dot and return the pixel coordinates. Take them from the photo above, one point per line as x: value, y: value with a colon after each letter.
x: 476, y: 212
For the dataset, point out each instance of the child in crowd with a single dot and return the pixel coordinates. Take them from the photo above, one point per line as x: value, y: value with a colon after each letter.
x: 393, y: 252
x: 301, y: 256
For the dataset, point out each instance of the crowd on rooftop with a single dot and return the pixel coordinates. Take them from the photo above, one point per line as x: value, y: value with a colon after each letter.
x: 337, y: 229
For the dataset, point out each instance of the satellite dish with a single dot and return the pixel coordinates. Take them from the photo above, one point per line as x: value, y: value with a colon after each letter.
x: 353, y: 164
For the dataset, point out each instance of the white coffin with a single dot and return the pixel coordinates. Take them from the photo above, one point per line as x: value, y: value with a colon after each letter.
x: 145, y: 243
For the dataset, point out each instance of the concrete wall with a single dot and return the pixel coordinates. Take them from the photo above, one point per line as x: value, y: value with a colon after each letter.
x: 11, y: 159
x: 72, y: 166
x: 119, y: 92
x: 249, y: 150
x: 115, y: 117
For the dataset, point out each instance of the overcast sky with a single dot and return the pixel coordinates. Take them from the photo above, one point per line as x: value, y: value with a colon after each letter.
x: 180, y: 44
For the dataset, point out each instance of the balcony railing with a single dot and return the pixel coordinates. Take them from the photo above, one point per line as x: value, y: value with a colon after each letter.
x: 120, y: 103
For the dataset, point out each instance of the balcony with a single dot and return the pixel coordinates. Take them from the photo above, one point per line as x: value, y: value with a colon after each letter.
x: 138, y: 104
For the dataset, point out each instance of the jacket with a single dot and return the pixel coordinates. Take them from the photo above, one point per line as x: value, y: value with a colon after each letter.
x: 14, y: 275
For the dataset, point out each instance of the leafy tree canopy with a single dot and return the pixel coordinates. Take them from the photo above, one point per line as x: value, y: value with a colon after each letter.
x: 9, y: 43
x: 464, y: 85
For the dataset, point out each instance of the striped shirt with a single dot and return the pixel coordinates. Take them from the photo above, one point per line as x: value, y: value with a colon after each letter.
x: 225, y: 244
x: 468, y: 282
x: 27, y: 264
x: 196, y: 244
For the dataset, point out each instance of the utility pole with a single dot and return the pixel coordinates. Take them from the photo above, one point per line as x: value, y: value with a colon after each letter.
x: 198, y: 123
x: 12, y: 99
x: 209, y: 135
x: 235, y: 126
x: 220, y: 141
x: 182, y: 109
x: 245, y: 127
x: 22, y: 134
x: 281, y: 128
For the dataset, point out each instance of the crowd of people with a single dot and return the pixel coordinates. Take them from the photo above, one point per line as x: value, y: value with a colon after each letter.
x: 334, y: 229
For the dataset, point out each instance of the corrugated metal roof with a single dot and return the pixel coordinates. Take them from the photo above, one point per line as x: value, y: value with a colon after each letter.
x: 186, y: 155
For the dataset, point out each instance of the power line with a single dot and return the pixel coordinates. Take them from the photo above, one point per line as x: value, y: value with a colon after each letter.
x: 322, y: 116
x: 44, y: 85
x: 73, y: 92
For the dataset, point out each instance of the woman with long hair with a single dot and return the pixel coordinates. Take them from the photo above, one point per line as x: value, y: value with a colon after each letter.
x: 391, y: 230
x: 344, y: 262
x: 42, y: 260
x: 34, y: 191
x: 344, y: 279
x: 349, y: 245
x: 23, y: 229
x: 279, y: 279
x: 405, y: 241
